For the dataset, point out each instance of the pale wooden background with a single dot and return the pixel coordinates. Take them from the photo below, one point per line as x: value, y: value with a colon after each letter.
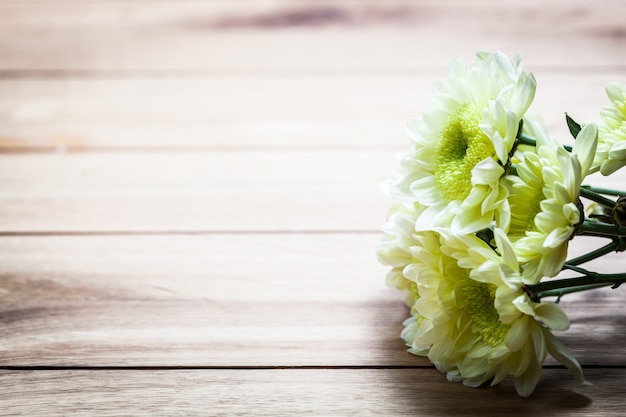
x: 189, y: 202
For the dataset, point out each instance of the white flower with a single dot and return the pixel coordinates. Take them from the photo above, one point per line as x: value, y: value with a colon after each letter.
x: 611, y: 154
x: 473, y: 319
x: 462, y: 143
x: 543, y: 198
x: 396, y: 249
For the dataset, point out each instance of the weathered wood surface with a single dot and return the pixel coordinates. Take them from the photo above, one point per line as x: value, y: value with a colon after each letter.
x: 227, y: 300
x: 201, y: 191
x: 190, y: 203
x: 108, y: 37
x: 329, y: 392
x: 245, y: 112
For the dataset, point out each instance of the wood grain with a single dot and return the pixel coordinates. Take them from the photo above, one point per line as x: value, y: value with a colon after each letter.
x: 107, y: 37
x: 209, y: 191
x: 189, y: 202
x: 215, y: 191
x: 318, y: 392
x: 198, y: 300
x: 289, y: 112
x: 284, y: 300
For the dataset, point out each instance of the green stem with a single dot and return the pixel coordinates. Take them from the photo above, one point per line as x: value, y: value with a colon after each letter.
x: 559, y: 287
x: 564, y: 291
x: 600, y: 190
x: 594, y: 228
x: 524, y: 139
x: 594, y: 196
x: 611, y: 247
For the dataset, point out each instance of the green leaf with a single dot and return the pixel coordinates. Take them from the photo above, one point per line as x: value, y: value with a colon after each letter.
x: 574, y: 127
x: 487, y: 236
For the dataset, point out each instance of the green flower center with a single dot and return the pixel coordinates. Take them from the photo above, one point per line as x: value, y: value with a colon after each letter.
x: 479, y: 299
x: 462, y: 145
x: 526, y: 205
x: 534, y: 209
x: 523, y: 215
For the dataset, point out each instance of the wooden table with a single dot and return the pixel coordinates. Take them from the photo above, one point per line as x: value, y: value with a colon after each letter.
x: 189, y: 202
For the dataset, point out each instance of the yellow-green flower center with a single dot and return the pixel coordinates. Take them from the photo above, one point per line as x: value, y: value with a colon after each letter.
x: 534, y: 209
x: 479, y: 298
x: 525, y: 206
x: 462, y: 145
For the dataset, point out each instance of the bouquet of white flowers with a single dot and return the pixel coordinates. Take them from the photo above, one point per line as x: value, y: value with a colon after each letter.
x: 487, y: 205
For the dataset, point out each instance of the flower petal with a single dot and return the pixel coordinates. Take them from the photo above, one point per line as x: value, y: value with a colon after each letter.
x: 506, y: 248
x: 585, y: 146
x: 553, y: 316
x: 526, y: 383
x: 561, y: 354
x: 516, y: 337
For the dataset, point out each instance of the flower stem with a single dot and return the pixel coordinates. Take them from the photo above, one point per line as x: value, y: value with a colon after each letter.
x: 524, y: 139
x: 615, y: 245
x: 595, y: 228
x: 600, y: 190
x: 560, y: 287
x: 598, y: 198
x: 560, y: 292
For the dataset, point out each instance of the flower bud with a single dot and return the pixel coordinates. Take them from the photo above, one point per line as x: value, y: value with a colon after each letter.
x: 619, y: 211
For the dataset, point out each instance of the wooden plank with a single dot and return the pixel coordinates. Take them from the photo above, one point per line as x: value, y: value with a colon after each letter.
x: 229, y: 301
x: 198, y: 300
x: 315, y: 392
x: 217, y: 191
x: 263, y: 191
x: 287, y: 112
x: 219, y: 112
x: 52, y: 38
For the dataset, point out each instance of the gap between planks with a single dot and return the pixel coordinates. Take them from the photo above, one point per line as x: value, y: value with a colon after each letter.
x: 229, y: 367
x: 36, y: 233
x: 96, y: 368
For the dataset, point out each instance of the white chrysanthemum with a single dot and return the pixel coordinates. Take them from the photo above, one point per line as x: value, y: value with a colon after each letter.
x: 611, y: 154
x: 396, y: 248
x: 543, y: 198
x: 473, y: 319
x: 462, y: 143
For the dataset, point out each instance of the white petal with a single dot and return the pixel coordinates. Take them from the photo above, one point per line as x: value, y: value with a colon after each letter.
x: 553, y: 316
x: 561, y: 354
x: 525, y: 305
x: 412, y: 129
x: 557, y: 237
x: 610, y: 166
x: 435, y: 216
x: 618, y: 151
x: 517, y: 335
x: 615, y: 91
x: 506, y: 248
x: 425, y: 191
x: 487, y: 172
x: 585, y: 146
x: 526, y: 87
x: 526, y: 383
x: 539, y: 343
x: 471, y: 222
